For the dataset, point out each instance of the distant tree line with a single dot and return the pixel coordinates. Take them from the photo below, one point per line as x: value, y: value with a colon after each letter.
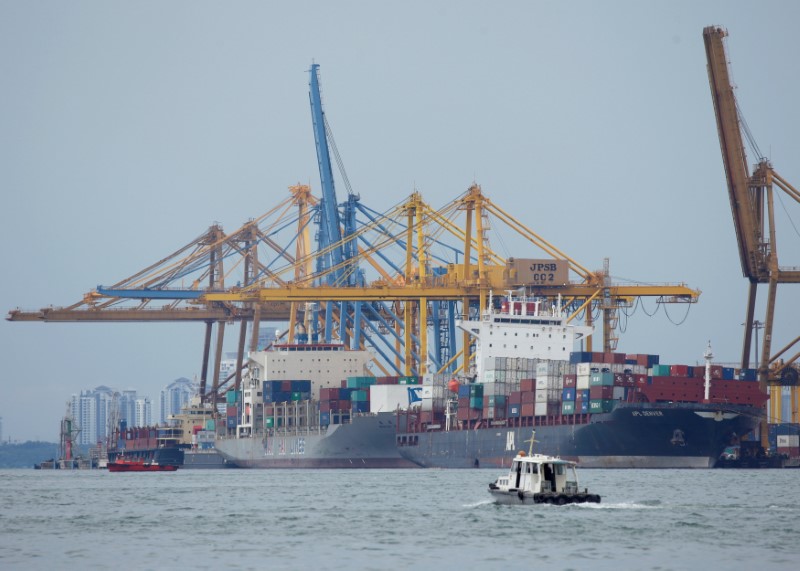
x: 27, y: 454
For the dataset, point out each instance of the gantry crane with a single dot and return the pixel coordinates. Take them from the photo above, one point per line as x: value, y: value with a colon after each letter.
x: 417, y: 256
x: 751, y: 198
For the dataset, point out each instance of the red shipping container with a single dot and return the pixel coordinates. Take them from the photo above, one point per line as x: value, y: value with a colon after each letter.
x: 463, y: 402
x: 324, y: 406
x: 528, y: 397
x: 790, y: 451
x: 329, y: 394
x: 468, y: 414
x: 527, y: 385
x: 515, y: 397
x: 527, y: 409
x: 570, y: 381
x: 679, y: 370
x: 601, y: 392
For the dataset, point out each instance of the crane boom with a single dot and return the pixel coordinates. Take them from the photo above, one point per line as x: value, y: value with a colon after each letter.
x: 733, y: 152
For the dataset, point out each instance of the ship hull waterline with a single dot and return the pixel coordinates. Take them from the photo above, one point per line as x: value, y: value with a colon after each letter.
x: 632, y: 436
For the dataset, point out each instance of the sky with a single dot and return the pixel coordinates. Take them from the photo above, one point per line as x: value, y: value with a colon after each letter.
x: 127, y: 129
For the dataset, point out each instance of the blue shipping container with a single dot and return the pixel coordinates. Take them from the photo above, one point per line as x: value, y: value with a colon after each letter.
x: 301, y: 386
x: 568, y: 394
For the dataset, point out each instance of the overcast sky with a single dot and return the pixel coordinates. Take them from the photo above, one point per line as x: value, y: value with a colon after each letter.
x: 128, y: 128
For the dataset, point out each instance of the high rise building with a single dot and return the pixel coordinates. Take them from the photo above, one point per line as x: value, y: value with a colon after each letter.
x: 90, y: 411
x: 143, y: 412
x: 175, y: 397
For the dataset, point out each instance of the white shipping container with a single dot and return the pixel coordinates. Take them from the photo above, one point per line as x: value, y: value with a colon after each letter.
x: 618, y: 393
x: 540, y: 409
x: 542, y: 382
x: 383, y: 398
x: 582, y: 382
x: 583, y: 369
x: 541, y: 395
x: 489, y: 376
x: 789, y: 441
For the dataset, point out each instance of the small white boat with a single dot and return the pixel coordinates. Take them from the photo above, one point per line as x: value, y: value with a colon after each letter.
x: 540, y: 479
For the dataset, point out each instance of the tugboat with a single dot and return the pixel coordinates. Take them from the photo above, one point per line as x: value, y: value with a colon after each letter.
x: 540, y: 479
x: 139, y: 465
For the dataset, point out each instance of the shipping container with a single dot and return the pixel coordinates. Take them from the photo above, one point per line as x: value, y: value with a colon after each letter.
x: 232, y: 397
x: 661, y: 370
x: 601, y: 392
x: 601, y: 405
x: 568, y: 407
x: 600, y: 378
x: 568, y: 394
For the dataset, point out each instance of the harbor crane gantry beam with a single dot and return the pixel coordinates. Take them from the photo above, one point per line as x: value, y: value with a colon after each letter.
x: 751, y: 199
x: 425, y: 268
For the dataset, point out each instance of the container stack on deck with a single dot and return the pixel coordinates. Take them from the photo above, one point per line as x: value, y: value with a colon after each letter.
x: 523, y: 392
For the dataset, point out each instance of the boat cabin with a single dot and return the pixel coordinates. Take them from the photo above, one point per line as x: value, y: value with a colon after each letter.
x: 541, y: 474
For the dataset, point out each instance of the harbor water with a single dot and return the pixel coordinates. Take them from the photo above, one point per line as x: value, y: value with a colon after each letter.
x: 394, y: 519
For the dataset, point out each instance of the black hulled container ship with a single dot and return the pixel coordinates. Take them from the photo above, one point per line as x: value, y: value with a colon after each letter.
x: 603, y: 410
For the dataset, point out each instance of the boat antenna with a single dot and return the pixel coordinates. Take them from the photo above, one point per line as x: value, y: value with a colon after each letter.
x: 531, y: 440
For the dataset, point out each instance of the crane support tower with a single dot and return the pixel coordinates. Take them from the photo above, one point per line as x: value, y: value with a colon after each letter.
x: 751, y: 198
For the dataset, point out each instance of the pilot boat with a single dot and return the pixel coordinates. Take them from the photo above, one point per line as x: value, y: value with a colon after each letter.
x: 540, y: 479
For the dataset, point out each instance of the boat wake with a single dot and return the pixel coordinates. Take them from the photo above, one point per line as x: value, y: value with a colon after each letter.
x: 617, y: 506
x: 480, y: 503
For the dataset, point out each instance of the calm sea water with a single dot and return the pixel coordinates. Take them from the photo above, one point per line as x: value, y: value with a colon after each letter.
x: 394, y: 519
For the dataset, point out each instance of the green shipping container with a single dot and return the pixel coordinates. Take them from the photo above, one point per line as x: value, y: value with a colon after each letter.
x: 408, y: 381
x: 568, y: 407
x: 601, y: 405
x: 297, y: 396
x: 661, y: 371
x: 210, y: 425
x: 359, y: 396
x: 232, y: 397
x: 270, y: 422
x: 602, y: 379
x: 476, y: 391
x: 476, y: 402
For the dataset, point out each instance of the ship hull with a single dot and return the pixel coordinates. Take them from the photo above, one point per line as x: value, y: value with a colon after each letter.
x: 631, y: 436
x: 367, y: 442
x: 205, y: 460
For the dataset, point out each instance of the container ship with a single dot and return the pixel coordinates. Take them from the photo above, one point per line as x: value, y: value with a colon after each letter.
x: 149, y: 444
x: 603, y: 410
x: 275, y: 422
x: 188, y: 440
x: 600, y: 409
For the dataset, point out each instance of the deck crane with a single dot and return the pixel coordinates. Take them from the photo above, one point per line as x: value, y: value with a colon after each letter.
x: 751, y: 198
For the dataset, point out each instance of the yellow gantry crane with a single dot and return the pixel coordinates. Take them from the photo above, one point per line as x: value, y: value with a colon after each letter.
x: 751, y: 198
x: 469, y: 281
